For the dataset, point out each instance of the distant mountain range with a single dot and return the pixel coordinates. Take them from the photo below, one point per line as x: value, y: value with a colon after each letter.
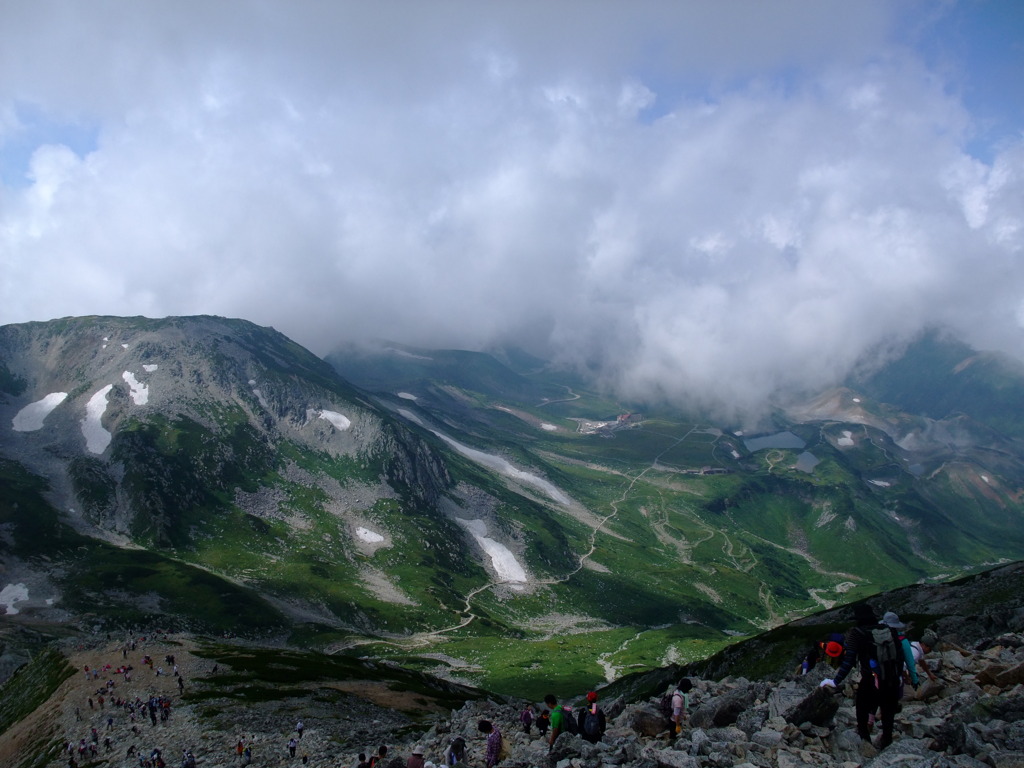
x: 470, y: 514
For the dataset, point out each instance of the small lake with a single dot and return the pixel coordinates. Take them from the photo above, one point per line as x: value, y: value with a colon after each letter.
x: 779, y: 440
x: 807, y: 461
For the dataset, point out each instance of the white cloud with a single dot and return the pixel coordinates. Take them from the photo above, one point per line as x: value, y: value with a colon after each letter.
x: 712, y: 202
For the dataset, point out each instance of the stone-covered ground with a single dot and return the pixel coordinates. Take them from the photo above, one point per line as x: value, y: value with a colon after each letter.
x: 973, y: 715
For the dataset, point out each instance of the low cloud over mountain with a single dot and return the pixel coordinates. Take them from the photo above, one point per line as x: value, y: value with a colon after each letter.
x: 708, y: 205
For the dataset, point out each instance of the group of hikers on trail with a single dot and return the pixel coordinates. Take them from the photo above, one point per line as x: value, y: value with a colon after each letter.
x: 887, y: 660
x: 588, y: 722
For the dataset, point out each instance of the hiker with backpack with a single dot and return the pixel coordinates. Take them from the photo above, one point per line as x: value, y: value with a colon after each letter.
x: 561, y: 719
x: 591, y: 721
x: 810, y: 661
x: 416, y: 759
x: 681, y: 704
x: 919, y: 648
x: 877, y: 649
x: 526, y: 718
x: 832, y: 647
x: 544, y: 722
x: 892, y: 620
x: 456, y: 751
x: 496, y: 751
x: 381, y: 757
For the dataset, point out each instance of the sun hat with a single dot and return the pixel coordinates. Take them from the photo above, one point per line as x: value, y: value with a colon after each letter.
x: 890, y: 619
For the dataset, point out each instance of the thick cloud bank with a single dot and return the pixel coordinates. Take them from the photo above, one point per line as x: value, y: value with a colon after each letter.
x: 701, y: 203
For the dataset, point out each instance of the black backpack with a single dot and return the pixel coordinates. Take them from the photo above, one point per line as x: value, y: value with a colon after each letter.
x: 665, y: 704
x: 569, y: 724
x: 592, y: 723
x: 886, y: 655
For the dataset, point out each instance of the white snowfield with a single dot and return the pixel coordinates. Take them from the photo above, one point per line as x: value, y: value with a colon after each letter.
x: 11, y: 594
x: 140, y: 391
x: 412, y: 417
x: 340, y: 422
x: 498, y: 464
x: 259, y: 395
x: 503, y: 561
x: 365, y: 534
x: 502, y: 466
x: 97, y: 438
x: 31, y: 417
x: 407, y: 396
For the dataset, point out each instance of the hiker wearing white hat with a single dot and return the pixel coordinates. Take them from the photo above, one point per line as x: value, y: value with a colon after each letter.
x: 416, y: 758
x: 922, y: 647
x: 892, y: 621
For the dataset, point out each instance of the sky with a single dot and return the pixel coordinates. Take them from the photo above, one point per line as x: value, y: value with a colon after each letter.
x: 716, y: 204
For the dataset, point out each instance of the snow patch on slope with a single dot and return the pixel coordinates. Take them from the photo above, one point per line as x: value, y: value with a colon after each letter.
x: 96, y: 437
x: 503, y: 561
x: 31, y: 417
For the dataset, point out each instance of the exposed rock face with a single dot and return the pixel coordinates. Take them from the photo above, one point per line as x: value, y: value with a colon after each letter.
x: 164, y: 435
x: 234, y: 391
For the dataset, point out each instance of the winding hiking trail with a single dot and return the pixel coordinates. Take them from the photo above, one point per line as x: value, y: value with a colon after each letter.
x: 420, y: 639
x: 738, y: 555
x: 572, y: 396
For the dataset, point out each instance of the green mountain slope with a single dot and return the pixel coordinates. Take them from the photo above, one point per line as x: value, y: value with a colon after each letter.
x: 463, y: 518
x: 940, y: 377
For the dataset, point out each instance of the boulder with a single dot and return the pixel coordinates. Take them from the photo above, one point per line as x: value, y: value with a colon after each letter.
x: 753, y: 720
x: 819, y: 708
x: 1010, y: 677
x: 989, y: 674
x: 648, y: 721
x: 767, y: 738
x: 1003, y: 759
x: 723, y: 710
x: 671, y: 758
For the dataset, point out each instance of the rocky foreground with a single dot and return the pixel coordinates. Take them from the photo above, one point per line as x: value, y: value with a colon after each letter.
x: 972, y: 715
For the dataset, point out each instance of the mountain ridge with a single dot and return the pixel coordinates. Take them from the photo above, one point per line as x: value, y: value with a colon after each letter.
x: 383, y: 521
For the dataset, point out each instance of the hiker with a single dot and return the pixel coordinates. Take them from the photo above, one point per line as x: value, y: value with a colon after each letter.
x: 892, y: 620
x: 299, y: 728
x: 681, y: 703
x: 561, y: 719
x: 832, y: 647
x: 526, y: 718
x: 494, y: 742
x: 544, y: 722
x: 591, y: 721
x: 919, y: 648
x: 362, y: 761
x: 877, y: 649
x: 416, y: 758
x: 382, y: 753
x: 810, y: 661
x: 456, y: 751
x: 292, y: 744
